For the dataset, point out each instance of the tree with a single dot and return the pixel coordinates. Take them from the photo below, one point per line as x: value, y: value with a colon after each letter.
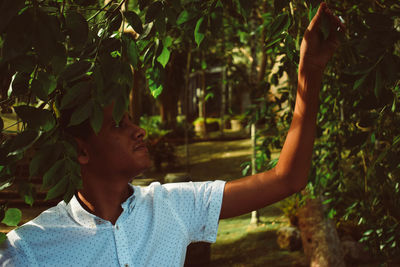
x: 73, y: 54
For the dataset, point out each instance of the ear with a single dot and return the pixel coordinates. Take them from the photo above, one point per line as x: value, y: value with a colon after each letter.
x: 83, y: 155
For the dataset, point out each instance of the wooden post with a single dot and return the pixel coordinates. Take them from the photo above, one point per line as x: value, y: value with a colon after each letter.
x: 186, y: 106
x: 255, y: 215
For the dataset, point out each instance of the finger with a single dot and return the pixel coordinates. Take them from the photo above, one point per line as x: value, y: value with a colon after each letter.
x: 314, y: 24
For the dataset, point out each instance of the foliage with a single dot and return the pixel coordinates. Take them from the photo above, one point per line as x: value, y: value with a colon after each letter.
x: 73, y: 55
x: 356, y: 162
x: 160, y: 149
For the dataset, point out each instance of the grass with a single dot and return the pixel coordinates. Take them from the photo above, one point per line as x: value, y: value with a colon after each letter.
x: 240, y: 244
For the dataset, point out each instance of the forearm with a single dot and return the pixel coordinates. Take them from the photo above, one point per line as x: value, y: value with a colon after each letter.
x: 295, y: 158
x: 290, y: 174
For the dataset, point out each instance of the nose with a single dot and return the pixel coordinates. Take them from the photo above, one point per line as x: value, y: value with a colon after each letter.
x: 138, y: 133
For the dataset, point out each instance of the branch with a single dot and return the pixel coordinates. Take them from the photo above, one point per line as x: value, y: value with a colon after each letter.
x: 104, y: 7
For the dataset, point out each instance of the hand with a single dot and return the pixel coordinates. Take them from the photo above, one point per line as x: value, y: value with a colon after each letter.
x: 315, y: 52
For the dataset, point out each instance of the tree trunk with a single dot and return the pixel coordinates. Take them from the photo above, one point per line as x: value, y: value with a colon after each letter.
x: 319, y: 237
x: 223, y: 100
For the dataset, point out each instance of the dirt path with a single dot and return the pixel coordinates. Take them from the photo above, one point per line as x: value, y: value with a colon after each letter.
x: 217, y: 159
x: 238, y: 243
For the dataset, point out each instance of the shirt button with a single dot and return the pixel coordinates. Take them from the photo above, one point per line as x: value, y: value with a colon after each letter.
x: 126, y: 265
x: 117, y: 227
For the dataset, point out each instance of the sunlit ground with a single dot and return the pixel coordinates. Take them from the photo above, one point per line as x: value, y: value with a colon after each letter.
x: 240, y: 244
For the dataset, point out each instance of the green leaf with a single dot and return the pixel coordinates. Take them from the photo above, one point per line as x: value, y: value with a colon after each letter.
x: 325, y: 26
x: 163, y: 58
x: 167, y: 42
x: 58, y: 189
x: 132, y: 50
x: 45, y: 42
x: 115, y: 20
x: 368, y: 232
x: 53, y: 174
x: 23, y: 141
x: 135, y: 21
x: 183, y: 17
x: 74, y: 170
x: 70, y: 148
x: 273, y: 42
x: 28, y: 192
x: 358, y: 84
x: 82, y: 113
x: 20, y: 84
x: 3, y: 237
x: 153, y: 11
x: 311, y: 12
x: 36, y: 118
x: 76, y: 70
x: 245, y: 7
x: 75, y: 95
x: 246, y: 170
x: 160, y: 25
x: 198, y: 36
x: 156, y: 90
x: 24, y: 63
x: 44, y: 85
x: 96, y: 119
x: 77, y: 28
x: 59, y: 59
x: 69, y: 193
x: 378, y: 84
x: 44, y: 159
x: 9, y: 9
x: 19, y: 35
x: 120, y: 107
x: 85, y: 2
x: 279, y: 25
x: 12, y: 217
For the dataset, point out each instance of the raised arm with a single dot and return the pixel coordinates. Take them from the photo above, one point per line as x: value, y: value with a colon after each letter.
x: 290, y: 173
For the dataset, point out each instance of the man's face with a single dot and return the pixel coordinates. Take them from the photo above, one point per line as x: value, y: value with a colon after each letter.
x: 117, y: 150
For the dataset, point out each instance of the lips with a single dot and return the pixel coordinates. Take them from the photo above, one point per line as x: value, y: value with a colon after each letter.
x: 140, y: 146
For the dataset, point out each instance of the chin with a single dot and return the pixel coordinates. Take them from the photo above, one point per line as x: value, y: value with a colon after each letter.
x: 138, y: 170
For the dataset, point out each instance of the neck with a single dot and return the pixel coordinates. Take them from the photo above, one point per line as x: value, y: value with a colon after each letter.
x: 103, y: 196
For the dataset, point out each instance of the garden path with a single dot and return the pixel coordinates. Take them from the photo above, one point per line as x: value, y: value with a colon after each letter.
x: 238, y: 243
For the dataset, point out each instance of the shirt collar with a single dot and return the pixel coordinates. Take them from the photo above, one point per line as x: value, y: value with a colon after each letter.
x: 86, y: 219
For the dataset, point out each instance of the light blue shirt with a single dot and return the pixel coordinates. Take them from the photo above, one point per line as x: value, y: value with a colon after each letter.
x: 158, y: 222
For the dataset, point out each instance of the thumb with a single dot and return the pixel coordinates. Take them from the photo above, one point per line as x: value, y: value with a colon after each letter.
x: 315, y: 22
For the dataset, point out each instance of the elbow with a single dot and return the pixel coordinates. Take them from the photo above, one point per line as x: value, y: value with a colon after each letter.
x: 295, y: 181
x: 298, y: 185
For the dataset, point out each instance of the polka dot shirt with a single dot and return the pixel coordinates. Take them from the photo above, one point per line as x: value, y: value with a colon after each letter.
x: 158, y: 222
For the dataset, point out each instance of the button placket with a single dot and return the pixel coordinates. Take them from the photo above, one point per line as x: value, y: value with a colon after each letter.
x: 122, y: 246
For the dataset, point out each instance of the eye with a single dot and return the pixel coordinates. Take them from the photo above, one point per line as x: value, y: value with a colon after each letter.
x: 117, y: 125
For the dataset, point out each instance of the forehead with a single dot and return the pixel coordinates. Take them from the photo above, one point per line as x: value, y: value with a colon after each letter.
x: 107, y: 113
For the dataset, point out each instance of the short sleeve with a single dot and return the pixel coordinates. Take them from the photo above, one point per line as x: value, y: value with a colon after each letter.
x: 11, y: 253
x: 198, y: 205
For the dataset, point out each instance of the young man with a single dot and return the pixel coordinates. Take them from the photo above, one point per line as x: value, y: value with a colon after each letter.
x: 112, y: 223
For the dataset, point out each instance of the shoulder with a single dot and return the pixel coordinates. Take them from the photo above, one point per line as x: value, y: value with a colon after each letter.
x: 33, y: 230
x: 15, y: 250
x: 184, y: 197
x: 177, y: 190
